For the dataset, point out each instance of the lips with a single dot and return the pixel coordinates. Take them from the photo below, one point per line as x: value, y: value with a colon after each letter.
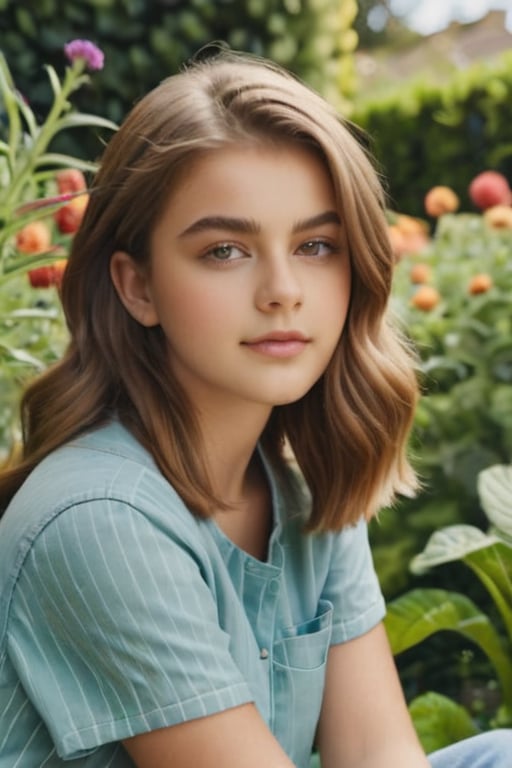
x: 279, y: 344
x: 282, y: 336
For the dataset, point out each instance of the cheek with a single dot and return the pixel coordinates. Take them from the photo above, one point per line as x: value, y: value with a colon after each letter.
x: 335, y: 297
x: 197, y: 311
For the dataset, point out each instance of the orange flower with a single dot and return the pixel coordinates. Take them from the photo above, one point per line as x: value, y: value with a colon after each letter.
x: 499, y: 217
x: 480, y: 283
x: 420, y: 273
x: 407, y: 235
x: 34, y: 238
x: 440, y: 200
x: 409, y: 225
x: 69, y: 217
x: 426, y: 298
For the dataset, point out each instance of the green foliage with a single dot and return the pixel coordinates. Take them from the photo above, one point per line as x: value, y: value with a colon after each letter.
x: 32, y: 331
x: 418, y: 614
x: 439, y: 721
x: 146, y: 41
x: 33, y: 335
x: 464, y: 419
x: 426, y: 134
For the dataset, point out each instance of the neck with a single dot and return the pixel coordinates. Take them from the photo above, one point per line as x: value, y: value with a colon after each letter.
x: 230, y: 441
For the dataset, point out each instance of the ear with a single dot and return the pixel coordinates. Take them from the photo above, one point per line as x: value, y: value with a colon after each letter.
x: 131, y: 284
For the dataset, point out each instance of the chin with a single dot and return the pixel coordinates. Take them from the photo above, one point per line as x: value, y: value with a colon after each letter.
x: 290, y: 397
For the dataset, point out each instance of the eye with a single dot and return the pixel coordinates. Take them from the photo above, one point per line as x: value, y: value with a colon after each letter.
x: 224, y: 252
x: 316, y: 247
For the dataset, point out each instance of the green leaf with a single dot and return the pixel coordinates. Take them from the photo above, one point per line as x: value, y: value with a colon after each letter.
x: 21, y: 357
x: 489, y: 557
x: 493, y: 566
x: 28, y: 116
x: 495, y: 491
x: 439, y: 721
x: 420, y: 613
x: 54, y: 80
x: 76, y: 120
x: 34, y: 312
x: 67, y: 161
x: 451, y: 543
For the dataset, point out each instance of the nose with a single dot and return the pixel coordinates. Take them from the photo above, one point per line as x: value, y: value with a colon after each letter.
x: 279, y: 285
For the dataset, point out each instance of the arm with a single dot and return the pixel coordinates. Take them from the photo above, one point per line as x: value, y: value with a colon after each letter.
x: 364, y: 721
x: 235, y: 738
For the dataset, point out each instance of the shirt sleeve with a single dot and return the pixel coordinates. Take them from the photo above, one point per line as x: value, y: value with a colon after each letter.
x: 114, y: 631
x: 352, y: 585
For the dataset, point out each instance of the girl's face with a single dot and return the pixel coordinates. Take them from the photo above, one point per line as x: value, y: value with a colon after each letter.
x: 249, y: 279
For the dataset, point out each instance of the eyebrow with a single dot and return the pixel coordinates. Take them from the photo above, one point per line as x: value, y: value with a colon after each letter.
x: 251, y: 227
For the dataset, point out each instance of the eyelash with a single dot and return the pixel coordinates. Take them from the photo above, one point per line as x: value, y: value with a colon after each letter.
x: 316, y: 242
x: 319, y: 242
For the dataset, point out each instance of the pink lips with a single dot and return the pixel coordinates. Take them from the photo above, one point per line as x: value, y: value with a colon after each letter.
x: 279, y: 344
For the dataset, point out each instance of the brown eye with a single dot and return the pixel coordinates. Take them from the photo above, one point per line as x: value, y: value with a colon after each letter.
x: 315, y: 248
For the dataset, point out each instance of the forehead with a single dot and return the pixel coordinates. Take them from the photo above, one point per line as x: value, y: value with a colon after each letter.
x: 253, y: 181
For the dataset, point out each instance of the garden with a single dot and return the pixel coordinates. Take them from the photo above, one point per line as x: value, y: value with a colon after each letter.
x: 444, y: 558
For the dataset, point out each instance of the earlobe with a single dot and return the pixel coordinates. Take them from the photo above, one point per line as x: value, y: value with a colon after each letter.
x: 131, y: 286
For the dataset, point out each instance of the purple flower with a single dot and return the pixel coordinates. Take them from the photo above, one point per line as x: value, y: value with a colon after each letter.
x: 84, y: 49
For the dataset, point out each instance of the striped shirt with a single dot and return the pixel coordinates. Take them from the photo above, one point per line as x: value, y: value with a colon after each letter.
x: 121, y: 612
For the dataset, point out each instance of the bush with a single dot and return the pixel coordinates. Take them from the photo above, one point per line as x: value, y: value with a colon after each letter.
x: 147, y: 41
x: 426, y: 134
x: 464, y: 419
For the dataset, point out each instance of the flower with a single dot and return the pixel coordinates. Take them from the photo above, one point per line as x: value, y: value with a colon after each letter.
x: 426, y: 298
x: 69, y: 217
x: 44, y: 277
x: 498, y: 217
x: 480, y: 283
x: 70, y: 180
x: 420, y: 273
x: 34, y: 237
x: 440, y: 200
x: 84, y: 49
x: 488, y: 189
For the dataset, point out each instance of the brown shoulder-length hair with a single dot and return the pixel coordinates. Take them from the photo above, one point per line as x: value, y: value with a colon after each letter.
x: 349, y: 432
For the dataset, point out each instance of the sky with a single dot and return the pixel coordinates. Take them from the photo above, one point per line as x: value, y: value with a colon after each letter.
x: 431, y: 16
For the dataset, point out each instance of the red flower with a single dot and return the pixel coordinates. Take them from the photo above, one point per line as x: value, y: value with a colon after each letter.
x: 70, y: 180
x: 44, y: 277
x: 69, y: 217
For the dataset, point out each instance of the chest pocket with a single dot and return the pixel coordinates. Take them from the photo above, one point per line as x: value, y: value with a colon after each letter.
x: 298, y: 672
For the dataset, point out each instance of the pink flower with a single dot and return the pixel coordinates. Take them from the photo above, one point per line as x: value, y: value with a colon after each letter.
x: 84, y: 49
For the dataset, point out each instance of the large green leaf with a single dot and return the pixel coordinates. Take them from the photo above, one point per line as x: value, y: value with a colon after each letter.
x: 439, y: 721
x: 487, y: 555
x: 495, y: 491
x: 451, y: 543
x: 493, y: 566
x: 420, y: 613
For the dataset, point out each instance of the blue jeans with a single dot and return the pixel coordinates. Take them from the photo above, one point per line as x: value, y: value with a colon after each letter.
x: 492, y: 749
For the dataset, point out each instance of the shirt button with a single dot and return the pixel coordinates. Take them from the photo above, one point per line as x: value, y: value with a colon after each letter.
x: 264, y: 653
x: 274, y: 587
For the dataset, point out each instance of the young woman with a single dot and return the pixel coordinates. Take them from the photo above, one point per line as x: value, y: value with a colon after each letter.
x: 185, y: 575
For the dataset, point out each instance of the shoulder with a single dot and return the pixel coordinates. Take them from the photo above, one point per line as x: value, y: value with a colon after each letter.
x: 105, y: 463
x: 103, y: 475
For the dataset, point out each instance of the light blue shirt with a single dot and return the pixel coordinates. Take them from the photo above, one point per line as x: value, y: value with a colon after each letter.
x: 121, y: 612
